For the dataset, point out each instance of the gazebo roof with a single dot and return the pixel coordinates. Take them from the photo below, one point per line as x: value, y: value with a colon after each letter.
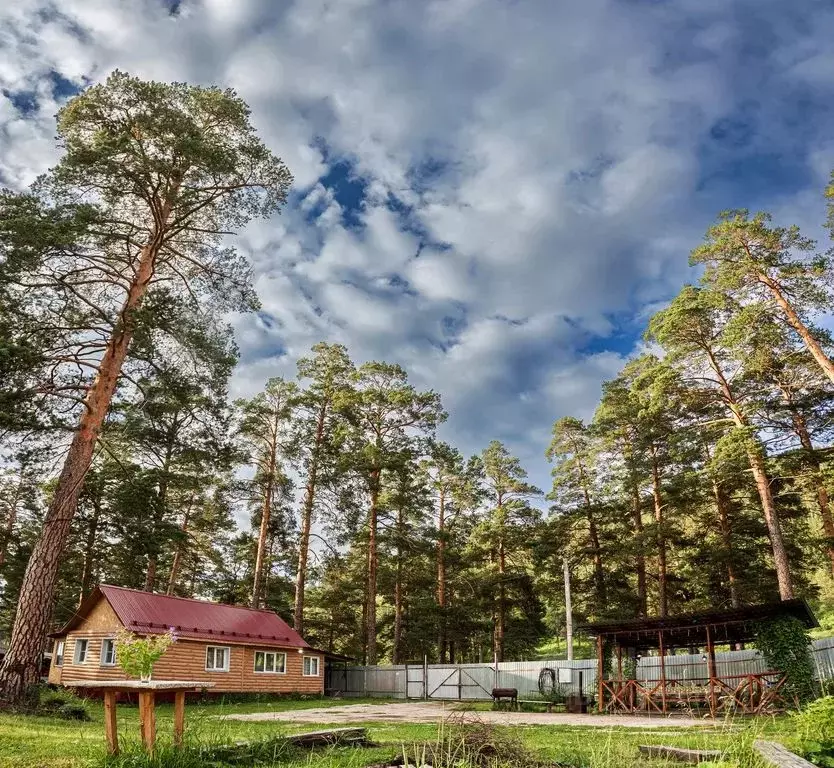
x: 735, y: 625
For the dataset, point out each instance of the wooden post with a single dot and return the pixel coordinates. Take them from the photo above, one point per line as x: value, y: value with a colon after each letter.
x: 179, y: 717
x: 110, y: 730
x: 147, y: 719
x: 711, y: 671
x: 619, y: 670
x: 662, y: 670
x: 600, y: 681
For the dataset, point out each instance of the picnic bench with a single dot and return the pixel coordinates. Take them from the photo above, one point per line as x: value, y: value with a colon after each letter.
x: 505, y: 694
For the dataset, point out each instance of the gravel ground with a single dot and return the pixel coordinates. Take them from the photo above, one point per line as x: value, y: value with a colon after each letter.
x: 435, y: 711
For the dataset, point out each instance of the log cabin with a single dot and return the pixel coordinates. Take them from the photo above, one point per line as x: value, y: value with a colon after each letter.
x: 238, y: 649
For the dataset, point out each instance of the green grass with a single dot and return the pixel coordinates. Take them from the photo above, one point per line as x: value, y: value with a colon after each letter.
x: 27, y: 742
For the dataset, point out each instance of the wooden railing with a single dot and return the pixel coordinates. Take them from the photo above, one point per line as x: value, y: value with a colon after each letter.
x: 749, y: 694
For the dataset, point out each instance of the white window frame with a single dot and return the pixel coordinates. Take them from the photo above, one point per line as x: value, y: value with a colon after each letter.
x: 58, y: 655
x: 80, y: 642
x: 101, y: 657
x: 227, y: 654
x: 304, y: 671
x: 275, y: 670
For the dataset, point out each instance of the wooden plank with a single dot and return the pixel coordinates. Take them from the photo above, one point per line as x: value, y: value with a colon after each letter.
x: 147, y: 719
x: 110, y: 728
x: 179, y: 717
x: 778, y: 756
x: 681, y: 755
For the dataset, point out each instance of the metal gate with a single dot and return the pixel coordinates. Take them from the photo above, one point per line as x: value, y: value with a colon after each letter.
x: 415, y: 681
x: 458, y: 682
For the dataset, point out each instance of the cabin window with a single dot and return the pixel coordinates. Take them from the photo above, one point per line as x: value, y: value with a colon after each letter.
x: 108, y: 653
x: 270, y: 661
x: 311, y: 666
x: 81, y: 646
x: 217, y: 658
x: 59, y: 653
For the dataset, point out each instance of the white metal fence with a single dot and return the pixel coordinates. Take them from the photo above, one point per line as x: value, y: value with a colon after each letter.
x: 476, y: 681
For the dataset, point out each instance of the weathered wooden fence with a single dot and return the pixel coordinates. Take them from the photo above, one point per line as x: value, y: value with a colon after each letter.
x: 476, y: 681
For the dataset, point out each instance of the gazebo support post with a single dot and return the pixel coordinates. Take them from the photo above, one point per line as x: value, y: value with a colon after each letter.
x: 662, y: 669
x: 711, y: 671
x: 600, y: 681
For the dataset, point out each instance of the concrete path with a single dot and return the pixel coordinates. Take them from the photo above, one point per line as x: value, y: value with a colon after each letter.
x: 435, y: 712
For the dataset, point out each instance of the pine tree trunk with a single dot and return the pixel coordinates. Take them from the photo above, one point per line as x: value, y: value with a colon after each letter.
x: 365, y: 632
x: 178, y: 553
x: 11, y: 520
x: 303, y: 558
x: 801, y: 429
x: 813, y: 346
x: 640, y: 558
x: 501, y: 608
x: 593, y: 533
x: 637, y: 522
x: 759, y: 470
x: 306, y: 524
x: 373, y: 564
x: 21, y: 665
x: 599, y: 572
x: 722, y: 506
x: 89, y: 548
x: 780, y: 554
x: 663, y: 598
x: 266, y: 513
x: 441, y: 576
x: 150, y: 574
x: 398, y: 601
x: 159, y: 511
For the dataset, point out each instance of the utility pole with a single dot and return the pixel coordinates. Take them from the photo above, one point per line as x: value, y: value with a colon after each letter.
x: 568, y: 611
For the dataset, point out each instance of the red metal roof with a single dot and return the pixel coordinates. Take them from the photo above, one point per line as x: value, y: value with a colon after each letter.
x: 150, y: 613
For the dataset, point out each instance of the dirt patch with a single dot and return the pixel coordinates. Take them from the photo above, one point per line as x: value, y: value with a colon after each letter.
x: 436, y: 711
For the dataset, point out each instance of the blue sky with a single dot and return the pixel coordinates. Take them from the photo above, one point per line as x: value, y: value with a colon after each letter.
x: 494, y: 193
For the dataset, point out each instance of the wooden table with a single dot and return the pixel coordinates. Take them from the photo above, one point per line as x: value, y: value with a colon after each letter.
x: 147, y: 706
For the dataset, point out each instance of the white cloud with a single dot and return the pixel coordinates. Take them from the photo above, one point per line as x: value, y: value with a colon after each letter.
x: 553, y: 153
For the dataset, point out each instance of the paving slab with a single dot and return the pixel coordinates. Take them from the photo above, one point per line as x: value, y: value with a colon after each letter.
x: 436, y: 712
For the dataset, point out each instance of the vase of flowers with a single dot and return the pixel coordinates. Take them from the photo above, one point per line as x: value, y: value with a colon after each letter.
x: 137, y: 655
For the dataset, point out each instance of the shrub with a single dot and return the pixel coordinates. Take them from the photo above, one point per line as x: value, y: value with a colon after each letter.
x: 785, y: 645
x: 73, y: 711
x: 815, y: 729
x: 59, y: 702
x: 52, y: 699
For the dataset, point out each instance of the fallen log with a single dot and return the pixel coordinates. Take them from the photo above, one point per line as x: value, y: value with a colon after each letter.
x: 333, y: 737
x: 678, y: 753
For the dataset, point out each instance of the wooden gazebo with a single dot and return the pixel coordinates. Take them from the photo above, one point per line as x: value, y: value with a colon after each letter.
x: 630, y: 639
